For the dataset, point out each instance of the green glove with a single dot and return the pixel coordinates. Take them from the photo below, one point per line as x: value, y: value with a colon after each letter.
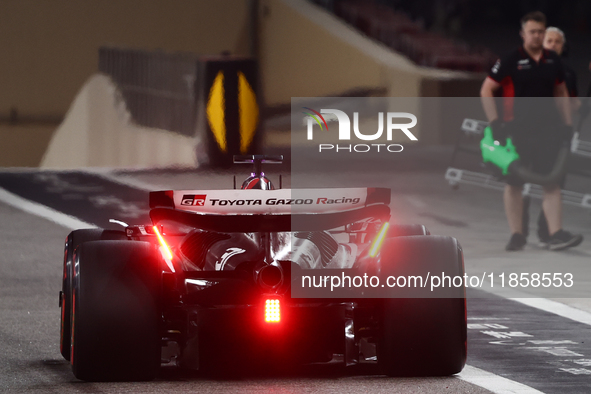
x: 493, y: 152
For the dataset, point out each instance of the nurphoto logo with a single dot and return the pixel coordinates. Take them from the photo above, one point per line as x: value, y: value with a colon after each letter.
x: 394, y: 123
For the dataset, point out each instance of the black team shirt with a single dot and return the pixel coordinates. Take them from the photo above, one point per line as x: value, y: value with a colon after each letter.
x: 571, y: 81
x: 521, y: 76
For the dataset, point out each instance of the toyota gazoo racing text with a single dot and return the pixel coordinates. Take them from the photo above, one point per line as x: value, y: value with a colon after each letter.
x: 210, y: 285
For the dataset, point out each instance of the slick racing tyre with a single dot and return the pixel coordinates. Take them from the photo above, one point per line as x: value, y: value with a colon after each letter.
x: 116, y: 312
x: 75, y: 239
x: 421, y: 336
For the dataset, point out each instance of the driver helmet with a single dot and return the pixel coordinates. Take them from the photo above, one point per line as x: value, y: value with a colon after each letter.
x: 260, y: 182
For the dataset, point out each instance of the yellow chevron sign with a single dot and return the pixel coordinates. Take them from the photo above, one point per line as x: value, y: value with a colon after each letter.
x: 248, y: 112
x: 216, y: 109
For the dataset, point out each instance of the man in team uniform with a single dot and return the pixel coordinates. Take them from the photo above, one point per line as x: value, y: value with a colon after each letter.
x: 531, y: 77
x: 555, y: 40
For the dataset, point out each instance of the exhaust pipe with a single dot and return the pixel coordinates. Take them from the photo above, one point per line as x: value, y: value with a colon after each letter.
x: 270, y: 276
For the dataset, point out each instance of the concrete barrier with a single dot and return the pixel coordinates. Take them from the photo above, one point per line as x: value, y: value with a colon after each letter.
x: 98, y: 132
x: 303, y: 51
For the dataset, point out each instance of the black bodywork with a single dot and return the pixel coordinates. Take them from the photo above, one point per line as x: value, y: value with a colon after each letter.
x: 217, y: 316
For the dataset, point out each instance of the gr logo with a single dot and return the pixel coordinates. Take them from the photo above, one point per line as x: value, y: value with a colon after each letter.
x: 392, y: 123
x: 194, y: 199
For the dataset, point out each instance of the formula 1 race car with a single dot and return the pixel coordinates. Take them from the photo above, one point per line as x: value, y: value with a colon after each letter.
x: 208, y: 285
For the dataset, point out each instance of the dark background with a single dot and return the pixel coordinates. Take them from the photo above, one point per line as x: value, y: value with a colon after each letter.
x: 495, y: 24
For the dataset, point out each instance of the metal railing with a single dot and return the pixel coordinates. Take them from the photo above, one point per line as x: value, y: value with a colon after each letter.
x: 158, y: 88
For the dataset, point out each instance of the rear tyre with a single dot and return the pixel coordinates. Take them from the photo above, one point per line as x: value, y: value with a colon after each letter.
x: 116, y: 311
x: 75, y: 239
x: 422, y: 336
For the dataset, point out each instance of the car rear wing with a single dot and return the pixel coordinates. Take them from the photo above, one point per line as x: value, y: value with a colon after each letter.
x: 268, y: 222
x: 271, y: 202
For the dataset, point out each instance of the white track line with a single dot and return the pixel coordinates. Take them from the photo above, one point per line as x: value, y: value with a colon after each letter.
x: 557, y: 308
x: 500, y: 385
x: 43, y: 211
x: 544, y: 304
x: 495, y: 383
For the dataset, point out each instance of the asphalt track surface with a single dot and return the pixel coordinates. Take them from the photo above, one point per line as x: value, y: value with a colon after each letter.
x: 539, y: 349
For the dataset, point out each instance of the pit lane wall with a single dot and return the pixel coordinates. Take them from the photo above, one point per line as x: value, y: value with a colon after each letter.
x: 50, y: 49
x: 302, y: 50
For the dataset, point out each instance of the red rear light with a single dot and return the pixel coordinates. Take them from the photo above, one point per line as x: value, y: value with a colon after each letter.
x: 163, y: 243
x: 272, y: 310
x: 164, y: 249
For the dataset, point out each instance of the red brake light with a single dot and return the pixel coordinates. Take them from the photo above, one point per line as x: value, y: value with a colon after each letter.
x: 272, y: 311
x: 164, y: 249
x: 163, y: 243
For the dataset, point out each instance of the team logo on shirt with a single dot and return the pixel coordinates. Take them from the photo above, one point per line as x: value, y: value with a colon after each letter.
x: 523, y: 64
x: 496, y: 67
